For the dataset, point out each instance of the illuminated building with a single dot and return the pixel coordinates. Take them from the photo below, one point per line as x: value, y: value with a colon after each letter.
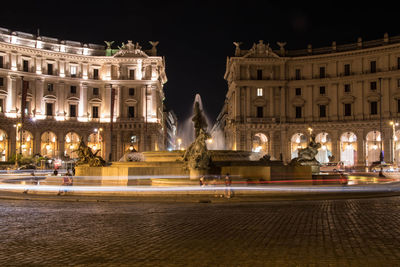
x: 70, y: 86
x: 274, y: 96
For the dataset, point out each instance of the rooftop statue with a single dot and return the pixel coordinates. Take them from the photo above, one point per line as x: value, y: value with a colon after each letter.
x: 86, y: 156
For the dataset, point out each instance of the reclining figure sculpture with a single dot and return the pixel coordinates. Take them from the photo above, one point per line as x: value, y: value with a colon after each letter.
x: 86, y: 156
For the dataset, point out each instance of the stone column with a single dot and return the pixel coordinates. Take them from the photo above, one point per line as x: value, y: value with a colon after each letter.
x: 39, y: 96
x: 11, y: 93
x: 358, y: 105
x: 248, y: 102
x: 83, y: 101
x: 37, y: 142
x: 60, y: 104
x: 237, y: 103
x: 360, y: 148
x: 271, y: 102
x: 387, y: 148
x: 335, y: 103
x: 283, y: 104
x: 106, y: 108
x: 61, y: 148
x: 385, y: 90
x: 336, y: 145
x: 107, y: 143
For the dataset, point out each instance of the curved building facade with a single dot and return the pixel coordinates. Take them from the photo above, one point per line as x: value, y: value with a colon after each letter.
x: 348, y: 95
x: 71, y: 91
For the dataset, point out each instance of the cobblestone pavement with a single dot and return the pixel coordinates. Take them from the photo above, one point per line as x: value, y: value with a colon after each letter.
x: 287, y: 233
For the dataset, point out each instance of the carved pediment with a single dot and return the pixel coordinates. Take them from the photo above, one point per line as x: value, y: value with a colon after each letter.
x: 259, y: 101
x: 50, y: 97
x: 373, y: 97
x: 95, y: 100
x: 3, y: 92
x: 130, y: 50
x: 261, y: 50
x: 323, y: 100
x: 73, y: 99
x: 298, y: 101
x: 131, y: 101
x: 347, y: 99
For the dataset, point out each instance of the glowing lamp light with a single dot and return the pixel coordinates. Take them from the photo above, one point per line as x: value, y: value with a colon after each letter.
x: 94, y: 147
x: 131, y: 148
x: 298, y: 140
x: 48, y: 147
x: 323, y: 147
x: 23, y: 146
x: 1, y: 138
x: 374, y: 147
x: 378, y: 138
x: 28, y: 139
x: 71, y: 147
x: 395, y: 138
x: 209, y: 141
x: 67, y: 139
x: 53, y: 140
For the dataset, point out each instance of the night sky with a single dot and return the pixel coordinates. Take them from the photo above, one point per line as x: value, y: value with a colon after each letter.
x: 196, y: 36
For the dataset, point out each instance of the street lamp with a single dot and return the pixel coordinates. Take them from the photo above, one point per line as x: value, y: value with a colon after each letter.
x: 179, y: 143
x: 394, y: 124
x: 18, y: 131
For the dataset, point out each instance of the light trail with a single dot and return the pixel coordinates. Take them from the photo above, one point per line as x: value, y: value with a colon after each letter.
x: 289, y: 189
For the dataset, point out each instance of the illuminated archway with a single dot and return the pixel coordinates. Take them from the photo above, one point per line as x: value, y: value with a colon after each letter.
x: 260, y: 143
x: 397, y: 147
x: 373, y: 147
x: 3, y: 145
x: 325, y: 151
x: 297, y: 142
x: 26, y: 143
x: 95, y: 142
x: 348, y: 148
x: 48, y: 144
x: 71, y: 144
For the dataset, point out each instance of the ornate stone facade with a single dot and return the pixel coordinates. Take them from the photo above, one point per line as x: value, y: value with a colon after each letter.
x: 70, y: 86
x: 276, y: 98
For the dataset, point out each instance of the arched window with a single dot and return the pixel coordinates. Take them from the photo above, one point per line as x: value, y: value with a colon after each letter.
x: 373, y: 147
x: 48, y: 144
x: 325, y: 151
x: 260, y: 143
x: 3, y: 145
x: 71, y: 144
x: 348, y: 148
x: 298, y: 141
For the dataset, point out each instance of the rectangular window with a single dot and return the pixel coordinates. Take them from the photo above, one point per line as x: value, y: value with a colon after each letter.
x: 49, y: 109
x: 73, y: 89
x: 346, y: 69
x: 373, y: 66
x: 1, y: 62
x: 25, y: 65
x: 95, y: 112
x: 96, y: 74
x: 347, y: 109
x: 322, y: 72
x: 374, y: 108
x: 322, y: 111
x: 95, y: 91
x: 373, y: 86
x: 260, y: 112
x: 259, y: 74
x: 1, y: 105
x: 50, y: 87
x: 1, y: 81
x: 72, y: 111
x: 347, y: 88
x: 131, y: 91
x: 50, y: 69
x: 259, y: 92
x: 73, y: 71
x: 322, y: 90
x: 131, y: 74
x: 298, y: 76
x: 298, y: 91
x: 131, y: 112
x: 298, y: 112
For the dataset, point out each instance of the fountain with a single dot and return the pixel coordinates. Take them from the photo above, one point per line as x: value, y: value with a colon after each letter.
x: 186, y: 167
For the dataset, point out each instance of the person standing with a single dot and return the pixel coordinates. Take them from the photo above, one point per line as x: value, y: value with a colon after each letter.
x: 228, y: 183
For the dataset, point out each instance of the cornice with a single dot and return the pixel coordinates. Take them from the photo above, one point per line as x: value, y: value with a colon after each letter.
x: 35, y: 52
